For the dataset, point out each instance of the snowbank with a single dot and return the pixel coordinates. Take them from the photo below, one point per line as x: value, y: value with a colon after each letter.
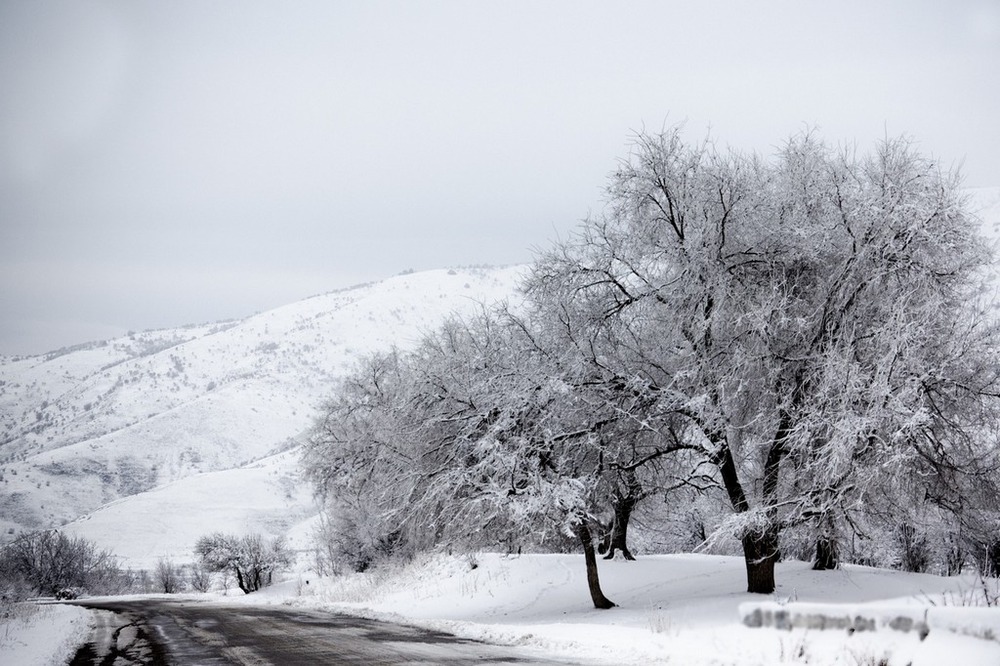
x: 43, y: 635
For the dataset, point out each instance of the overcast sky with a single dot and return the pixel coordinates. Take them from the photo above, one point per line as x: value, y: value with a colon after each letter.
x: 164, y: 163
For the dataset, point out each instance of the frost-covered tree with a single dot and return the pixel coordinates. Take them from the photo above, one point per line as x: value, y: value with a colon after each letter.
x: 481, y: 436
x: 50, y: 562
x: 356, y: 461
x: 251, y: 558
x: 809, y: 326
x: 803, y: 334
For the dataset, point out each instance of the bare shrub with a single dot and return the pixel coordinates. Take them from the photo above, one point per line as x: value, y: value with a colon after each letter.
x: 168, y: 577
x: 200, y: 578
x: 50, y: 561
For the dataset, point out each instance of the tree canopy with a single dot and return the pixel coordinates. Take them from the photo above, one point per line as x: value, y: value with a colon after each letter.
x: 807, y: 335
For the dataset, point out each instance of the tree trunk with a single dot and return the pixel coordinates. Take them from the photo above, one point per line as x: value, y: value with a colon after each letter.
x: 618, y: 539
x: 991, y: 563
x: 240, y: 581
x: 760, y: 551
x: 604, y: 538
x: 916, y: 557
x: 593, y: 581
x: 826, y: 554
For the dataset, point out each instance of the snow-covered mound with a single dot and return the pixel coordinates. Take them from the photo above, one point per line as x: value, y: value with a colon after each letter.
x: 91, y: 424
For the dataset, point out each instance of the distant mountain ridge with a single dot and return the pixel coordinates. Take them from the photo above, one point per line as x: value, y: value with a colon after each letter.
x: 93, y: 423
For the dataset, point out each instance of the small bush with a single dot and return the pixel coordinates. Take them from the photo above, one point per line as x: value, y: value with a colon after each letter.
x: 200, y: 578
x: 168, y: 577
x: 914, y: 549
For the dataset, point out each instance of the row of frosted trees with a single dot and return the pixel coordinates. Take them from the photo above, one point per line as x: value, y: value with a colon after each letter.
x: 805, y: 338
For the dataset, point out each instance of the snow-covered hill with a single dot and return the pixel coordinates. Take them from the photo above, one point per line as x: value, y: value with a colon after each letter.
x: 89, y: 425
x: 266, y: 496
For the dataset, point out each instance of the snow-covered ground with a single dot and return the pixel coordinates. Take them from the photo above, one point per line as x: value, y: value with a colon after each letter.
x: 682, y: 609
x: 43, y: 635
x: 673, y: 609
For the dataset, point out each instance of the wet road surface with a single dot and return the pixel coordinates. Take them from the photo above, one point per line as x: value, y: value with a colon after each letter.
x: 186, y: 633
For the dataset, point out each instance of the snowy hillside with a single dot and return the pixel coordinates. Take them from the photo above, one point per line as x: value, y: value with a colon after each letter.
x: 264, y: 496
x: 86, y: 426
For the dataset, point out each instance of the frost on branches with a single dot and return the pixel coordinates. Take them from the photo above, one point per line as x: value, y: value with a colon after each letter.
x: 250, y: 558
x: 805, y: 336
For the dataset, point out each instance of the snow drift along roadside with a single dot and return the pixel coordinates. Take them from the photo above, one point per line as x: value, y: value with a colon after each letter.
x: 43, y: 635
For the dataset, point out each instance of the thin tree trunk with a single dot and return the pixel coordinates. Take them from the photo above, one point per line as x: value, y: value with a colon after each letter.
x: 593, y: 581
x: 604, y: 537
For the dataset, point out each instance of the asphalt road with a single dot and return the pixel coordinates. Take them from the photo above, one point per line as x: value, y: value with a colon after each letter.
x: 195, y: 633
